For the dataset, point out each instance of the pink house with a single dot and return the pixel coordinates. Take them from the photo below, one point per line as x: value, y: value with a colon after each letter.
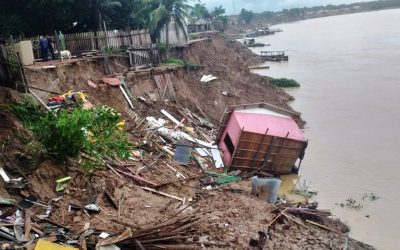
x: 261, y: 137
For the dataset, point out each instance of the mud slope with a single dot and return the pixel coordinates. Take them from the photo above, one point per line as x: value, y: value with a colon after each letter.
x: 226, y: 59
x: 229, y: 61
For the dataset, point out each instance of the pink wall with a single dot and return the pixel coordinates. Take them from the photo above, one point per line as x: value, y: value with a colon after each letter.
x: 234, y: 131
x: 257, y: 123
x: 278, y: 126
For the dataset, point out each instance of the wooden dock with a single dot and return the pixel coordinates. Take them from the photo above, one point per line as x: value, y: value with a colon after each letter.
x: 258, y: 67
x: 276, y: 56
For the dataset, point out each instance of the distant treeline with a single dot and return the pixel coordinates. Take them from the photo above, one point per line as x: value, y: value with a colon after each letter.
x: 295, y: 14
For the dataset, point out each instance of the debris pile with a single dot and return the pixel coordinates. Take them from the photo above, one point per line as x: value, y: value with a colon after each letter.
x: 173, y: 191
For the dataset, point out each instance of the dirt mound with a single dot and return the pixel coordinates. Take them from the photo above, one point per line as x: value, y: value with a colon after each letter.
x: 228, y: 215
x: 228, y: 60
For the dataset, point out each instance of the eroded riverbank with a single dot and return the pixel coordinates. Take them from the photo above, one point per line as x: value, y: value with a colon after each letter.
x: 347, y: 67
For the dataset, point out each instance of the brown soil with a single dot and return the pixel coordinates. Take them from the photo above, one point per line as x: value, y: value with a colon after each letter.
x: 228, y: 60
x: 231, y: 216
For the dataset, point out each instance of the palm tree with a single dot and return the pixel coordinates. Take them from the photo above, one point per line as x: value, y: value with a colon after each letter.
x: 218, y: 11
x: 168, y: 11
x: 199, y: 10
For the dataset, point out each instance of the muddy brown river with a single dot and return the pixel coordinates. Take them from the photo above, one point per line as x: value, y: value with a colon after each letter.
x: 349, y: 70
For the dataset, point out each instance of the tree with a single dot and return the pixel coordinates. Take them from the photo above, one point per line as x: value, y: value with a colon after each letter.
x: 218, y: 11
x: 199, y: 10
x: 220, y: 19
x: 166, y: 12
x: 101, y: 7
x: 246, y: 15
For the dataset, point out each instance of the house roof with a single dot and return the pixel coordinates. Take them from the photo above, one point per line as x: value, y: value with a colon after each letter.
x: 262, y: 108
x: 199, y: 21
x: 277, y: 124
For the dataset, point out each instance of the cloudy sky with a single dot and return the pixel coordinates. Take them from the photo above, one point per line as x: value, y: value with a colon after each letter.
x: 234, y: 6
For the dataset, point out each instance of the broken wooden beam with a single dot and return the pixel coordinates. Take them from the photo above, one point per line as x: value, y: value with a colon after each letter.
x: 137, y: 178
x: 109, y: 199
x: 164, y: 194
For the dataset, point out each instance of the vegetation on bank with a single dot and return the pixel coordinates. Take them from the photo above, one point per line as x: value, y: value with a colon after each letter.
x: 88, y: 135
x: 284, y: 82
x: 296, y: 14
x: 173, y: 61
x: 180, y: 62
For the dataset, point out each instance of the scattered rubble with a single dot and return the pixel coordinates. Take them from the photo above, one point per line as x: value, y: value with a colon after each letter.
x: 155, y: 198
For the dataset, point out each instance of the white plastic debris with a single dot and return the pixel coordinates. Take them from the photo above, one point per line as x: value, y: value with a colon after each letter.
x: 207, y: 78
x: 104, y: 235
x: 92, y: 207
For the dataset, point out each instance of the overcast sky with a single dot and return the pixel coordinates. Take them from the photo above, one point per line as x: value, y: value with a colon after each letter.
x: 234, y: 6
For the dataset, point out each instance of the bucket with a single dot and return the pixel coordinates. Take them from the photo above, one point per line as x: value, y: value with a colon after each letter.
x: 183, y: 151
x: 265, y: 188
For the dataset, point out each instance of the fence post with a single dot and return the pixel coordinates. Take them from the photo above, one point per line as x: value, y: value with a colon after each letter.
x: 105, y: 33
x: 130, y: 38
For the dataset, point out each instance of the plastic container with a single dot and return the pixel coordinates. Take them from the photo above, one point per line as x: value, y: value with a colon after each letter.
x: 265, y: 188
x: 183, y: 151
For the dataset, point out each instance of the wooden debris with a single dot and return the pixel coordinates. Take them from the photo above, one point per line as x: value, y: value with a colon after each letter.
x: 28, y: 225
x: 276, y: 218
x: 116, y: 239
x: 164, y: 194
x: 322, y: 226
x: 138, y: 178
x: 109, y: 199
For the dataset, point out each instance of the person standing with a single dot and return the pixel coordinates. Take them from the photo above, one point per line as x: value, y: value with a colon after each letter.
x: 50, y: 46
x: 44, y: 43
x: 62, y: 41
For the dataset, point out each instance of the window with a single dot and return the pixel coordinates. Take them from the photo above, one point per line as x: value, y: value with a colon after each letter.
x: 229, y: 144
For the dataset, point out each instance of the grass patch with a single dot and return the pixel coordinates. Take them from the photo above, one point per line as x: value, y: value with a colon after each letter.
x: 174, y: 61
x: 284, y: 82
x: 180, y: 62
x: 193, y: 36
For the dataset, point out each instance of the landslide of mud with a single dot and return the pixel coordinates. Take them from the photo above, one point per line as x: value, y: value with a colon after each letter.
x: 228, y: 60
x: 229, y: 215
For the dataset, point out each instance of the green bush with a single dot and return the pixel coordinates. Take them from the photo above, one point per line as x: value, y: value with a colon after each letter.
x: 27, y: 112
x: 163, y: 46
x: 67, y: 134
x: 284, y: 82
x: 90, y: 131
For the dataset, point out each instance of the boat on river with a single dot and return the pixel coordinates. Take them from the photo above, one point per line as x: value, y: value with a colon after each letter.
x: 276, y: 56
x: 251, y: 42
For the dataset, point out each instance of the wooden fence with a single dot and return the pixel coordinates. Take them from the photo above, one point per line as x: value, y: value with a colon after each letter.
x: 10, y: 70
x: 83, y: 42
x: 144, y: 56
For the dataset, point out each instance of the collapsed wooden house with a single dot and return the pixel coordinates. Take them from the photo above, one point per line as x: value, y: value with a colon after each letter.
x: 261, y: 137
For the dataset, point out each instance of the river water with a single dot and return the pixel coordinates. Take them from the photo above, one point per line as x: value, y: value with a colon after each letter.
x: 349, y: 70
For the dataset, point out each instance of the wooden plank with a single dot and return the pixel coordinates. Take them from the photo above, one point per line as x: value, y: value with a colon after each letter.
x: 247, y: 141
x: 28, y: 225
x: 164, y: 194
x: 262, y: 160
x: 138, y: 178
x: 264, y: 152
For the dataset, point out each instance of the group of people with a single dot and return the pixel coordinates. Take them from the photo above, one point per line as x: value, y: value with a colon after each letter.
x: 46, y: 46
